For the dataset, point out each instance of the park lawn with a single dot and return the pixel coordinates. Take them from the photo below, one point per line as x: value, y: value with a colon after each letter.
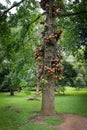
x: 72, y: 102
x: 15, y: 111
x: 73, y: 91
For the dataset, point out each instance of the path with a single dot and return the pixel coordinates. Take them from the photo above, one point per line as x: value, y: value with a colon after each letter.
x: 71, y: 122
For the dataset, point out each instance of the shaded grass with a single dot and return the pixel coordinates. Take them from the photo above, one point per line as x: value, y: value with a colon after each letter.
x: 15, y: 111
x: 33, y: 126
x: 71, y: 104
x: 53, y: 120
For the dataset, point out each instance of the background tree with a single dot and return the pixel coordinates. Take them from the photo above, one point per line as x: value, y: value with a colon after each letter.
x: 74, y: 26
x: 19, y: 43
x: 69, y: 74
x: 80, y: 82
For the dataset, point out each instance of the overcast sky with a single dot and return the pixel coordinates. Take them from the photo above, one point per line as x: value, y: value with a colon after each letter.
x: 8, y: 5
x: 4, y: 1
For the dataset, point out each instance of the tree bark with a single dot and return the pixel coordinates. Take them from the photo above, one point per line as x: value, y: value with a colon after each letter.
x: 49, y: 57
x: 11, y: 92
x: 48, y: 106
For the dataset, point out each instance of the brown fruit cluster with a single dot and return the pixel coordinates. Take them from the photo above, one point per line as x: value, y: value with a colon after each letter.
x: 49, y: 38
x: 49, y: 70
x: 39, y: 53
x: 55, y: 71
x: 58, y: 71
x: 56, y: 10
x: 55, y: 61
x: 57, y: 67
x: 56, y: 35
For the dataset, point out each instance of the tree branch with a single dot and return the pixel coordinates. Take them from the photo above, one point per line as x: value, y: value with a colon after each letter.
x: 14, y: 5
x: 27, y: 28
x: 72, y: 14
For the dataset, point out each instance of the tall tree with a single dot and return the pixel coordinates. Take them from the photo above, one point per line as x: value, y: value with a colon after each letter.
x: 49, y: 56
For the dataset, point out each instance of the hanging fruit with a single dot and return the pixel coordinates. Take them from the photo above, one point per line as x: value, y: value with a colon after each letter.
x: 48, y: 57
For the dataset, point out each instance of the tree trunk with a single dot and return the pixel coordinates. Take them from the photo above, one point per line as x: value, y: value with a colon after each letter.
x: 11, y: 92
x: 19, y: 89
x: 48, y: 107
x: 49, y: 55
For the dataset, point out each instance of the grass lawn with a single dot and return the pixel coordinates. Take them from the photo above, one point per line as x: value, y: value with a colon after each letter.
x: 15, y: 111
x: 72, y: 102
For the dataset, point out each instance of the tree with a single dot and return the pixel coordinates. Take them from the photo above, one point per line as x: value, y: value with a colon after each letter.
x: 49, y: 56
x: 74, y: 25
x: 48, y: 53
x: 69, y: 74
x: 81, y: 26
x: 80, y: 82
x: 18, y: 51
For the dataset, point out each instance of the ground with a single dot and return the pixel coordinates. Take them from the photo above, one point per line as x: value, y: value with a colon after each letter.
x: 70, y: 122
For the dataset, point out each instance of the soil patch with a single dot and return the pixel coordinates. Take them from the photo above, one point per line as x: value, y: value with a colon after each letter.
x: 70, y: 121
x: 73, y: 122
x: 38, y: 119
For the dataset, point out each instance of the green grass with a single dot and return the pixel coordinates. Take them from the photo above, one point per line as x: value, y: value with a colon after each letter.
x: 73, y: 91
x: 15, y: 111
x: 71, y: 104
x: 53, y: 120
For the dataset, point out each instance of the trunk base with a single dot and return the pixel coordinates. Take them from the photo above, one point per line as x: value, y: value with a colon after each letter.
x: 11, y: 92
x: 47, y: 113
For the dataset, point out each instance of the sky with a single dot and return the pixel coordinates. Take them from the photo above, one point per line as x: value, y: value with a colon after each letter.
x: 8, y: 5
x: 5, y: 3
